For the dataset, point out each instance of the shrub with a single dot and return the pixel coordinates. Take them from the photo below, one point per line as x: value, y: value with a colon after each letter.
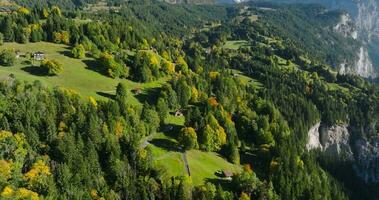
x: 51, y: 67
x: 7, y: 57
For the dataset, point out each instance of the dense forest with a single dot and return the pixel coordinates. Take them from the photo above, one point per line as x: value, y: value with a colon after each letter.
x: 249, y: 83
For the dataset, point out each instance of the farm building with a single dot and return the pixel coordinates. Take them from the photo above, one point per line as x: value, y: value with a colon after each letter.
x: 39, y: 55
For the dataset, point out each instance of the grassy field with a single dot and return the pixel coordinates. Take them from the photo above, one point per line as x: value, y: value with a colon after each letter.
x: 167, y: 155
x: 247, y: 80
x: 235, y: 44
x: 166, y: 158
x: 204, y: 165
x: 100, y: 6
x: 171, y: 119
x: 79, y: 74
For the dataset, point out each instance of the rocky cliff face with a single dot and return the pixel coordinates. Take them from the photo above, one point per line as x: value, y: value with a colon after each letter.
x: 190, y: 1
x: 361, y: 23
x: 363, y: 26
x: 335, y: 142
x: 367, y: 162
x: 332, y: 140
x: 346, y: 26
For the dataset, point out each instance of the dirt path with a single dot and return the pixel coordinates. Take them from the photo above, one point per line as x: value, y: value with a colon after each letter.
x: 186, y: 165
x: 146, y: 140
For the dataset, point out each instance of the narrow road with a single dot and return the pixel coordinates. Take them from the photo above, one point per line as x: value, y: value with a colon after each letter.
x: 146, y: 140
x: 186, y: 166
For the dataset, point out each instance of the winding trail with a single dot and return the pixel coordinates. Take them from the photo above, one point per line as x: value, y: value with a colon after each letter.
x: 186, y: 165
x: 146, y: 140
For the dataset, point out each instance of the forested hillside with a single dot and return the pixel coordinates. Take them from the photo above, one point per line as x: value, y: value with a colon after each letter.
x: 150, y: 100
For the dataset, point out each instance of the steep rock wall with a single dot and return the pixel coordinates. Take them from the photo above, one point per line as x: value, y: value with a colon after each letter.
x: 335, y: 142
x: 364, y: 27
x: 332, y: 140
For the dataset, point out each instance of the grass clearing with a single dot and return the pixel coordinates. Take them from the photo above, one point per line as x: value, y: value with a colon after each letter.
x: 174, y: 120
x: 78, y: 74
x: 235, y: 44
x: 204, y: 165
x: 101, y: 6
x: 171, y: 161
x: 246, y: 80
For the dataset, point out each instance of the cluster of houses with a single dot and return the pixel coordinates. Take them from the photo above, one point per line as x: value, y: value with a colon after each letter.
x: 39, y: 55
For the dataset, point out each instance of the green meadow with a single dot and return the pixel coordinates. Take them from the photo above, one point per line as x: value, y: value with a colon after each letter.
x: 78, y: 74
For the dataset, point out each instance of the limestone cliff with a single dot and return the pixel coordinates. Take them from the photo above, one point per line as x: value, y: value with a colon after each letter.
x: 332, y: 140
x: 335, y: 142
x: 361, y: 23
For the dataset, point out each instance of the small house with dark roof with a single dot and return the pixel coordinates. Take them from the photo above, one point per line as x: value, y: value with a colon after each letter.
x: 39, y: 55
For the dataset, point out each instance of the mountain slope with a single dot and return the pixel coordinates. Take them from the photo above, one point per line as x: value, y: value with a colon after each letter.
x: 365, y: 17
x: 364, y: 14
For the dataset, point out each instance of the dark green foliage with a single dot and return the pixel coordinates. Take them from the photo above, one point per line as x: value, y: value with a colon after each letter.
x: 51, y: 67
x: 162, y: 109
x: 78, y: 51
x: 94, y: 143
x: 188, y: 138
x: 183, y: 91
x: 61, y: 3
x: 7, y: 57
x: 151, y: 117
x: 1, y: 39
x: 94, y: 146
x: 112, y: 67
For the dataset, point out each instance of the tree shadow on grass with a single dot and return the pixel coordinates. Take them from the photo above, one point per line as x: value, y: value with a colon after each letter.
x: 106, y: 95
x: 149, y: 95
x: 171, y: 130
x: 224, y: 183
x: 66, y: 53
x: 93, y: 65
x: 35, y: 70
x: 259, y: 162
x: 166, y: 144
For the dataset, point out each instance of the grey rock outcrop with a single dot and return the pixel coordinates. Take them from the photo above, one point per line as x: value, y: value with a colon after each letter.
x: 334, y: 141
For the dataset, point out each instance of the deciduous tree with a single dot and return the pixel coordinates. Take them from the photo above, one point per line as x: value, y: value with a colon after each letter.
x: 51, y: 67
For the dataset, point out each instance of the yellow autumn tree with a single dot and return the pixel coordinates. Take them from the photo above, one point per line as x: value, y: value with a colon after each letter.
x: 17, y: 143
x: 61, y: 37
x: 45, y: 13
x: 7, y: 192
x: 23, y: 10
x: 19, y: 194
x: 213, y: 135
x: 244, y: 196
x: 56, y: 10
x: 153, y: 58
x: 182, y: 65
x: 37, y: 175
x: 5, y: 170
x: 168, y: 67
x: 24, y: 193
x: 166, y: 56
x: 212, y: 102
x: 188, y: 138
x: 194, y: 94
x: 92, y: 101
x: 144, y: 44
x: 118, y: 127
x: 213, y: 75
